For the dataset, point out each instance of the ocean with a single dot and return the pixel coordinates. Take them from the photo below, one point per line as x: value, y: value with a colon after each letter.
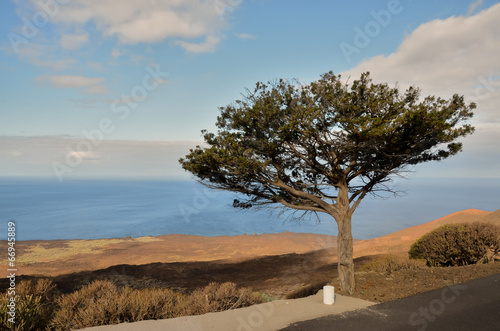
x: 45, y: 209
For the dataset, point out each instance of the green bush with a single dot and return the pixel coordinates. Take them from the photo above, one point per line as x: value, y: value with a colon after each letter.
x: 33, y: 306
x: 458, y: 245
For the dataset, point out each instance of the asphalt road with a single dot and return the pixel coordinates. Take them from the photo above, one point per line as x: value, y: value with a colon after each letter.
x: 474, y: 305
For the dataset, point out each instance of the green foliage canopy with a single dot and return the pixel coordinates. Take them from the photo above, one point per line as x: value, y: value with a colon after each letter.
x: 299, y: 144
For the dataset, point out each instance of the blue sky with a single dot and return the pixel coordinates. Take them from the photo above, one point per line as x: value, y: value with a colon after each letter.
x: 123, y: 87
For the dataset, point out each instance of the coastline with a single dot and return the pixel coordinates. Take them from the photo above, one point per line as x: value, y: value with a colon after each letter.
x: 100, y: 209
x: 57, y: 257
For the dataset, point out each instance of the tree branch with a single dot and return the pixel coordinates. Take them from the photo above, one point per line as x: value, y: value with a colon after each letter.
x: 324, y: 205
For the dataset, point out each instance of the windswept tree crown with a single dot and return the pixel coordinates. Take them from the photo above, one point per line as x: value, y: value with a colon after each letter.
x: 299, y: 144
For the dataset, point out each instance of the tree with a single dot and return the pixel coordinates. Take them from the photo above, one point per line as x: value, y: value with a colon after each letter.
x: 324, y: 146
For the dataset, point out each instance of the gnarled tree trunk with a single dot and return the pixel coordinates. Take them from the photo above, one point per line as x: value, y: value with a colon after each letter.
x: 344, y: 240
x: 345, y: 254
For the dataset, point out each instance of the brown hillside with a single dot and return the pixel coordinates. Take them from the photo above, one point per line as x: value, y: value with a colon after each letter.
x: 400, y: 242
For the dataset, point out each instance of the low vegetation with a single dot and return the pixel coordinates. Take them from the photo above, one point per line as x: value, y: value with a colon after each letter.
x: 458, y: 245
x: 218, y: 297
x: 388, y: 278
x: 39, y: 307
x: 392, y: 263
x: 34, y: 306
x: 102, y: 303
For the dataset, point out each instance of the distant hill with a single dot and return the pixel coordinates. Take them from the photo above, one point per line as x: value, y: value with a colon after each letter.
x: 400, y: 242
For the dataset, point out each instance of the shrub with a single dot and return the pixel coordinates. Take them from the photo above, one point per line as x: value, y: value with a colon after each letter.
x: 458, y: 244
x: 103, y: 303
x: 148, y: 304
x: 391, y: 263
x: 33, y: 306
x: 218, y: 297
x: 92, y: 305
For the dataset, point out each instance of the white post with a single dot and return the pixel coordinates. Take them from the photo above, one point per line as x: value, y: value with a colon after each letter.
x: 328, y: 295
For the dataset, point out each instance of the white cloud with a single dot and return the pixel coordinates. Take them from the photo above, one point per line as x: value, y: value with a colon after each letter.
x: 151, y: 21
x: 224, y: 6
x: 97, y: 89
x: 73, y: 41
x: 91, y: 85
x: 115, y: 53
x: 479, y: 159
x: 245, y: 36
x: 454, y: 55
x: 85, y: 156
x: 206, y: 46
x: 473, y: 6
x: 40, y: 55
x: 68, y: 81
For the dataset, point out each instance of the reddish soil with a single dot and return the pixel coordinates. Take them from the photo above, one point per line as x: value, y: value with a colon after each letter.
x: 277, y: 264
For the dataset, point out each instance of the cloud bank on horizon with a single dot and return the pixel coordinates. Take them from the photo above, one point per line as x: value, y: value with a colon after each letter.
x: 134, y: 73
x: 61, y: 158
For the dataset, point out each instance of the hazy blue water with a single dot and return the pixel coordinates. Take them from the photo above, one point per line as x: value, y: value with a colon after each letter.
x: 90, y: 209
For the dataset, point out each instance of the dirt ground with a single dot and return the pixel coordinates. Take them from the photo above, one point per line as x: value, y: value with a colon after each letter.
x: 381, y: 287
x: 58, y: 257
x: 277, y: 276
x: 278, y: 264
